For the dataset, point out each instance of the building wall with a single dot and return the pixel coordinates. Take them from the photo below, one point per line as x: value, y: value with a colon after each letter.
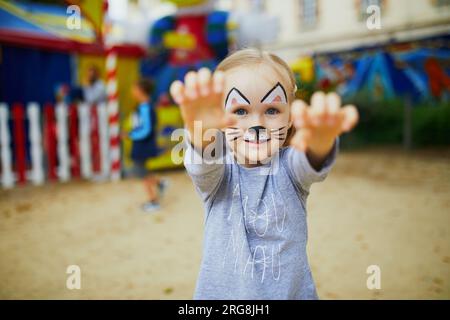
x: 340, y: 25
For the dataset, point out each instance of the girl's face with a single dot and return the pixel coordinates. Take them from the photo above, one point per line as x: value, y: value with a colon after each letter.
x: 258, y: 97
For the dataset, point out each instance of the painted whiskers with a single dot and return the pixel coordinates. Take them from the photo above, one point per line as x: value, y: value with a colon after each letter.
x: 256, y: 133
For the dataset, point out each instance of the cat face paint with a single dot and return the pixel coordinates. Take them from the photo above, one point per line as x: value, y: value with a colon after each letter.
x: 235, y: 97
x: 276, y: 95
x: 259, y: 102
x: 258, y: 133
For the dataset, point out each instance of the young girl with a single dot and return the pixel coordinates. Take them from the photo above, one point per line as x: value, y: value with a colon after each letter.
x: 255, y: 192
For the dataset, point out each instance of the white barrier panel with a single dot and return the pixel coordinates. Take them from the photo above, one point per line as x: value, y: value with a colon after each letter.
x: 35, y: 137
x: 85, y: 140
x: 7, y: 173
x: 102, y: 113
x: 62, y: 142
x: 106, y: 131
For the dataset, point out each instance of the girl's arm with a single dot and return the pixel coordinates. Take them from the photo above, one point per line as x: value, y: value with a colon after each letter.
x: 206, y: 171
x: 315, y: 143
x: 200, y: 101
x: 318, y: 126
x: 304, y: 171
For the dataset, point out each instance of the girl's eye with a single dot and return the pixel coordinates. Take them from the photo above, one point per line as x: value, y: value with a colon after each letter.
x: 240, y: 112
x: 272, y: 111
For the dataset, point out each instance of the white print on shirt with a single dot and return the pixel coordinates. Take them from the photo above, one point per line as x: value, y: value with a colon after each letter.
x: 272, y: 214
x: 265, y: 261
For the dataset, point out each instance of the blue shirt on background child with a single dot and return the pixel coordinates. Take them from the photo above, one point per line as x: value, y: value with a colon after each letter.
x: 143, y: 133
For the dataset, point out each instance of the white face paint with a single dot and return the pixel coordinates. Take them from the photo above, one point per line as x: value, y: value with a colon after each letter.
x: 235, y: 97
x: 276, y: 95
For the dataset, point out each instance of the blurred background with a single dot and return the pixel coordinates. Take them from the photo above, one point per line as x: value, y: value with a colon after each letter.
x: 66, y: 72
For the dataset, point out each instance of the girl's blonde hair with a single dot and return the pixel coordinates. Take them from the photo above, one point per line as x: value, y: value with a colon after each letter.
x: 252, y: 57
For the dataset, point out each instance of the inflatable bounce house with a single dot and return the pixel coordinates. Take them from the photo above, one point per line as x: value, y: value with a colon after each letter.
x: 196, y: 35
x: 41, y: 57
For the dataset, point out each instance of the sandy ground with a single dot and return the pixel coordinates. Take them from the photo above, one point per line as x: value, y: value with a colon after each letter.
x: 379, y: 207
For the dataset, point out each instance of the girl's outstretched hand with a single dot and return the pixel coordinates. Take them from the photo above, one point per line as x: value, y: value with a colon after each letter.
x: 200, y: 99
x: 318, y: 126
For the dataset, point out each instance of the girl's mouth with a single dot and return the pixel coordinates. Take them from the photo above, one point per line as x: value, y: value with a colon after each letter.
x: 256, y: 142
x: 256, y: 136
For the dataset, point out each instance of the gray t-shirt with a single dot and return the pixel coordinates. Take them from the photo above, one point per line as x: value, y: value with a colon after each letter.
x: 255, y: 229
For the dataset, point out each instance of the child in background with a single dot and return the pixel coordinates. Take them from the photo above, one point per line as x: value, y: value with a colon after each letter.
x: 255, y: 191
x: 143, y: 136
x: 94, y: 90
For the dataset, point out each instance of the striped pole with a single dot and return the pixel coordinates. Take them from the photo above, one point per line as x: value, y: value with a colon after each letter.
x: 5, y: 148
x: 35, y: 137
x: 113, y: 113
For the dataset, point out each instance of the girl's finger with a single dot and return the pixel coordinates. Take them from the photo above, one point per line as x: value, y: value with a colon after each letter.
x: 204, y: 81
x: 191, y: 85
x: 350, y: 117
x: 177, y: 92
x: 318, y: 108
x: 218, y: 82
x: 299, y: 113
x: 333, y: 102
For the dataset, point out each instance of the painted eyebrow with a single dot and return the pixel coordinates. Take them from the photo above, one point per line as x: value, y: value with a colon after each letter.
x: 271, y: 90
x: 239, y: 93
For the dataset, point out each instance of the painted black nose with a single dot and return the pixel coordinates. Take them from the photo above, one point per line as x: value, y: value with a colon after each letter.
x: 258, y: 129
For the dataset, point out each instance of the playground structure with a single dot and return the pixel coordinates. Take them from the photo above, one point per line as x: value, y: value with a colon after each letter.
x: 36, y: 41
x: 41, y: 61
x: 196, y: 35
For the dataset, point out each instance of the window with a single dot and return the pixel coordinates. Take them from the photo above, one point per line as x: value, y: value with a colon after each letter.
x: 308, y: 13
